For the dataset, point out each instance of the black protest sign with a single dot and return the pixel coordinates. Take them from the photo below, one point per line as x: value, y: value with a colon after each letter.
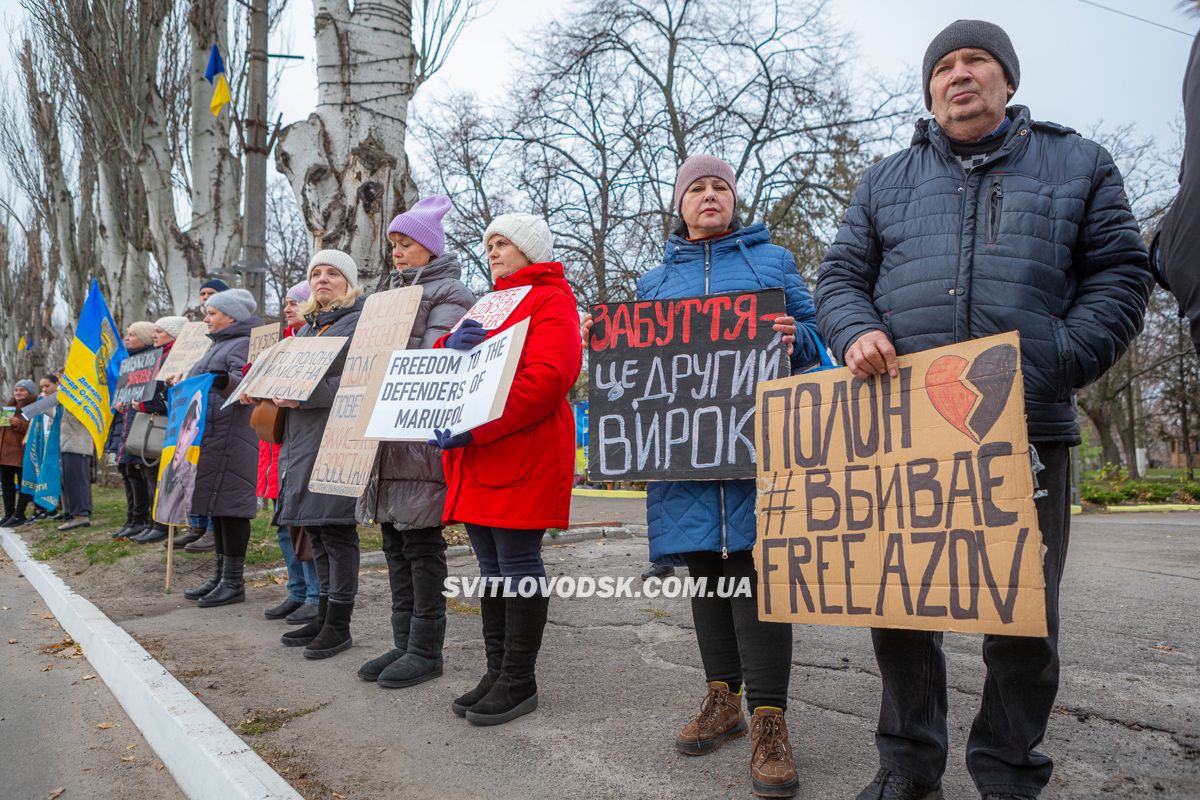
x: 672, y: 385
x: 901, y: 502
x: 136, y: 376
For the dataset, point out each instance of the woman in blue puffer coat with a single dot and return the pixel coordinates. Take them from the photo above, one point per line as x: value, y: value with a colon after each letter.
x: 711, y: 523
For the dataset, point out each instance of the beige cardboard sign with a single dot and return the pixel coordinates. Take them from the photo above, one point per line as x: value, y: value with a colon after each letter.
x: 901, y: 503
x: 190, y: 346
x: 343, y: 465
x: 261, y: 338
x: 293, y: 367
x: 418, y: 391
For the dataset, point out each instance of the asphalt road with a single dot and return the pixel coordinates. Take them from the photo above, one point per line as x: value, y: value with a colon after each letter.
x: 618, y: 677
x: 51, y: 707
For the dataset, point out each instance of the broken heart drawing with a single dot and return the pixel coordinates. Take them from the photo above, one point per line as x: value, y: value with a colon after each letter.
x: 971, y: 395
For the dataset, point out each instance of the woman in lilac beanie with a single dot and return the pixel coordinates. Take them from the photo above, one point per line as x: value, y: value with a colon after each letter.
x: 408, y: 497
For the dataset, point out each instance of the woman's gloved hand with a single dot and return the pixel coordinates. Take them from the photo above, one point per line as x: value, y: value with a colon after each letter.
x: 444, y: 440
x: 468, y: 335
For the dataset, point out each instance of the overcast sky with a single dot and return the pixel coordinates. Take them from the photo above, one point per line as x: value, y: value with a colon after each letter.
x: 1080, y: 65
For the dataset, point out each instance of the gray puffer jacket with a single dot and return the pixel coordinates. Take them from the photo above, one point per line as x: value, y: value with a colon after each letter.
x: 228, y: 465
x: 410, y: 489
x: 304, y: 427
x: 1038, y: 239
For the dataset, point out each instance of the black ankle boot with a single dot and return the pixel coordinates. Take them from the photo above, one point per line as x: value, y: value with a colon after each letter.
x: 306, y: 633
x: 231, y: 589
x: 335, y: 636
x: 515, y: 692
x: 423, y: 661
x: 210, y: 584
x: 400, y: 625
x: 491, y: 612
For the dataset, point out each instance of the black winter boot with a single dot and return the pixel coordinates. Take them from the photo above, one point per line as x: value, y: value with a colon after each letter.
x: 335, y: 636
x: 400, y: 625
x: 231, y: 589
x: 491, y: 612
x: 515, y: 691
x: 306, y: 633
x: 423, y: 661
x: 208, y: 585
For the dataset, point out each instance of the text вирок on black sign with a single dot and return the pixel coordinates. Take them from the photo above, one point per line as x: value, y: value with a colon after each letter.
x: 672, y: 385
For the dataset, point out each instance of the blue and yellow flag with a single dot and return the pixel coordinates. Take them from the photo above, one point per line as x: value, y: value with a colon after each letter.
x: 92, y: 363
x: 24, y: 344
x: 41, y: 473
x: 214, y: 73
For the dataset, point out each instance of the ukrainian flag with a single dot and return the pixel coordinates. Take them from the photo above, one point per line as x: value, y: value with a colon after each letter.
x: 92, y: 362
x: 24, y: 344
x: 215, y: 75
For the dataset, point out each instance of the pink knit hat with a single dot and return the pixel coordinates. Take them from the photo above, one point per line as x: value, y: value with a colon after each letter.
x: 702, y: 166
x: 423, y: 223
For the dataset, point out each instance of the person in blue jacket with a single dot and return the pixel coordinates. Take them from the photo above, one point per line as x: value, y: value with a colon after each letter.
x: 711, y: 523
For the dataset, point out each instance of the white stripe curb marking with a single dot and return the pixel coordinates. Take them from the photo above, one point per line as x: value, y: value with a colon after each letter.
x: 206, y: 758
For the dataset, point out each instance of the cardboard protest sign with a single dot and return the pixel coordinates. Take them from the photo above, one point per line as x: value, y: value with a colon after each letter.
x: 344, y: 462
x: 262, y: 338
x: 190, y: 345
x: 136, y: 377
x: 671, y: 385
x: 293, y: 367
x: 420, y: 390
x: 492, y: 309
x: 187, y: 412
x: 901, y: 503
x: 256, y: 368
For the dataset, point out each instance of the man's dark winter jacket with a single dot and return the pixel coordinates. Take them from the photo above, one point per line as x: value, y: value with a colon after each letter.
x: 1177, y: 246
x: 1038, y: 239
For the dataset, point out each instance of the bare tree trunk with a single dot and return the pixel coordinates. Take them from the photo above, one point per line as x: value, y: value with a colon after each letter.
x: 346, y: 162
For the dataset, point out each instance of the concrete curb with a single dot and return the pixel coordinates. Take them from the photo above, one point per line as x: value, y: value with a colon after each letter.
x: 207, y: 759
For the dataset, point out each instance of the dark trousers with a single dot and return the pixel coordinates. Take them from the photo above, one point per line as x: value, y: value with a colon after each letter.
x: 1018, y: 693
x: 231, y: 536
x: 735, y: 645
x: 137, y: 491
x: 507, y: 552
x: 15, y: 501
x: 335, y: 552
x: 77, y: 484
x: 416, y: 561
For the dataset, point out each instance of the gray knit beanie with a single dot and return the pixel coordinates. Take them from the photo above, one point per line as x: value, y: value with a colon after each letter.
x: 236, y: 303
x: 28, y: 386
x: 971, y: 33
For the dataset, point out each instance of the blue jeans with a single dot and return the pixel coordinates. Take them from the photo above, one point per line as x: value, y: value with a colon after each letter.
x: 302, y: 582
x: 507, y: 552
x: 198, y: 520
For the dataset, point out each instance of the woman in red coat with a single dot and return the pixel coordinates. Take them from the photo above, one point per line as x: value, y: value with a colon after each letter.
x: 510, y: 479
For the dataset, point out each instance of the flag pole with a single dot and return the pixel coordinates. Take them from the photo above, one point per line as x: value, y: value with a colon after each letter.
x: 170, y: 556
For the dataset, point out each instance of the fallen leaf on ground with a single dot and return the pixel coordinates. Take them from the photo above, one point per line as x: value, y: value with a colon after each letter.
x: 127, y: 758
x: 131, y: 747
x: 47, y: 668
x: 47, y: 616
x: 55, y: 793
x: 1166, y: 648
x: 88, y: 677
x: 12, y: 641
x: 158, y: 766
x: 104, y: 725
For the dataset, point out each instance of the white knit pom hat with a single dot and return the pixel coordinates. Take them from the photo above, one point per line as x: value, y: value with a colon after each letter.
x: 529, y: 233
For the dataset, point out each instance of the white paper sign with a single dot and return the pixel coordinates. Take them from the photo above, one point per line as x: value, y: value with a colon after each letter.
x: 491, y: 310
x: 421, y: 390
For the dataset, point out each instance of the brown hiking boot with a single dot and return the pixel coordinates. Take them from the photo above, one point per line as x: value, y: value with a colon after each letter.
x: 771, y: 769
x: 719, y: 720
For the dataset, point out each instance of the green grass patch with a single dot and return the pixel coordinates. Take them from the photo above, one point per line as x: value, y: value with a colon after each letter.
x: 1112, y: 487
x: 259, y: 721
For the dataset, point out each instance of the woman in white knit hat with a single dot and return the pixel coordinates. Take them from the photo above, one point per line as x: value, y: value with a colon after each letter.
x: 332, y: 309
x: 509, y: 480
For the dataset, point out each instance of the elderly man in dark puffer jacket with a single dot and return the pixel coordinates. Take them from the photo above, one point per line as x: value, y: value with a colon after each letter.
x: 988, y: 222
